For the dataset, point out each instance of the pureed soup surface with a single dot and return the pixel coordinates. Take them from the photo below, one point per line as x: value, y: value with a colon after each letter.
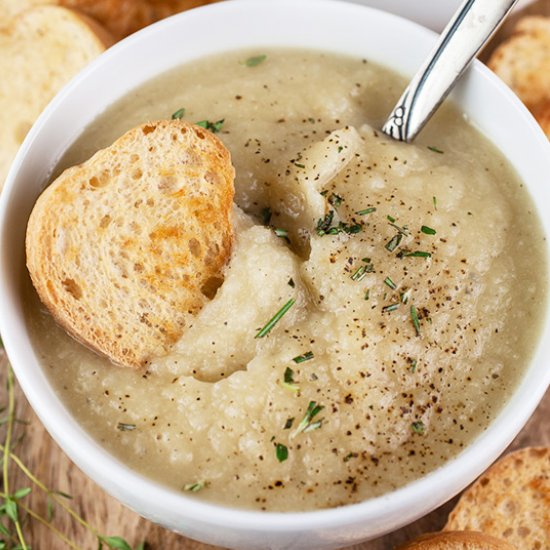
x: 413, y: 278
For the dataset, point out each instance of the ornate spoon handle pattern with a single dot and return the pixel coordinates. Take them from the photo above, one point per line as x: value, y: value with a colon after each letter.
x: 471, y: 27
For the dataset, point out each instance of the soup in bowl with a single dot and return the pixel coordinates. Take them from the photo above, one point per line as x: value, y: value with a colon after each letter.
x: 378, y: 337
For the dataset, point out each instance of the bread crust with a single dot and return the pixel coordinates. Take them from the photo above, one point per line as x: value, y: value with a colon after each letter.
x: 127, y: 247
x: 511, y: 500
x: 457, y: 540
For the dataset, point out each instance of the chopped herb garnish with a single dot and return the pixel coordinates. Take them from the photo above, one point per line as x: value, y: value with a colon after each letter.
x: 323, y: 224
x: 350, y: 229
x: 391, y: 307
x: 418, y: 427
x: 313, y: 426
x: 359, y: 273
x: 180, y: 113
x: 313, y: 409
x: 366, y: 211
x: 362, y: 270
x: 403, y: 230
x: 305, y: 357
x: 428, y: 230
x: 275, y: 319
x: 195, y: 487
x: 123, y: 427
x: 288, y: 423
x: 299, y: 165
x: 393, y: 243
x: 335, y: 200
x: 255, y: 60
x: 415, y: 321
x: 391, y: 219
x: 367, y: 292
x: 434, y: 199
x: 349, y: 456
x: 282, y: 233
x: 415, y: 254
x: 266, y: 215
x: 405, y: 296
x: 390, y: 283
x: 340, y: 148
x: 214, y: 127
x: 435, y: 149
x: 412, y: 368
x: 281, y: 451
x: 288, y: 380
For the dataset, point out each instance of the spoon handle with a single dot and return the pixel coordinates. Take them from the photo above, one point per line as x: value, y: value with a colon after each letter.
x: 472, y: 25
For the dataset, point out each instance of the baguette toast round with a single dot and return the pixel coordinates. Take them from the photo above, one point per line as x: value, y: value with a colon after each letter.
x: 511, y: 500
x: 127, y: 247
x: 41, y: 49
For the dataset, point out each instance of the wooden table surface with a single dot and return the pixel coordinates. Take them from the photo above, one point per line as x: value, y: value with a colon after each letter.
x: 46, y: 460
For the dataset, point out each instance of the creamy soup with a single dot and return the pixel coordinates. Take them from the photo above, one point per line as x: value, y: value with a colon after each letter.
x: 381, y: 303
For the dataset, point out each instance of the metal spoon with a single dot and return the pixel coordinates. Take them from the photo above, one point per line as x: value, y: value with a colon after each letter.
x: 470, y: 28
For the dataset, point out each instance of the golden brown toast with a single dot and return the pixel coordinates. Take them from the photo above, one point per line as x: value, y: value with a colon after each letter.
x: 511, y: 500
x: 125, y: 248
x: 41, y: 49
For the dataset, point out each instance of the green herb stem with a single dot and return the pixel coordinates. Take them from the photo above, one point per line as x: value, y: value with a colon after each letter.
x: 6, y: 453
x: 393, y: 243
x: 413, y: 254
x: 388, y: 281
x: 366, y: 211
x: 428, y: 230
x: 304, y: 357
x: 275, y: 319
x: 415, y: 321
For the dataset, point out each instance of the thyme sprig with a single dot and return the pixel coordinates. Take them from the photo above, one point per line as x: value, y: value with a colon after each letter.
x: 13, y: 503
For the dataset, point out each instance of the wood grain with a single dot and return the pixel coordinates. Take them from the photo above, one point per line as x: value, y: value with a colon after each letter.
x: 46, y: 460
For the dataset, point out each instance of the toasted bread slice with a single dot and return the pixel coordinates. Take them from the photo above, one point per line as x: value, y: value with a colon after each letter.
x: 457, y: 540
x: 125, y: 248
x: 511, y: 500
x: 523, y: 61
x: 40, y: 51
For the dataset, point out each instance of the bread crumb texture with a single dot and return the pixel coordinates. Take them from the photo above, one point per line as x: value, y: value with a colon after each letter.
x: 40, y: 50
x: 457, y: 540
x: 510, y: 501
x: 523, y: 62
x: 125, y: 248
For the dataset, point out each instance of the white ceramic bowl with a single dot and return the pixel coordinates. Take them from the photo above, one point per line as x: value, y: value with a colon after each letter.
x: 338, y: 27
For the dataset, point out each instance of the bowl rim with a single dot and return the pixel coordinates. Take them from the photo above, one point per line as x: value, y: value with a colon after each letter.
x: 84, y: 450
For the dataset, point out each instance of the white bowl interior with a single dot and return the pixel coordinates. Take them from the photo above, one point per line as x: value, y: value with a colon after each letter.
x: 329, y: 25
